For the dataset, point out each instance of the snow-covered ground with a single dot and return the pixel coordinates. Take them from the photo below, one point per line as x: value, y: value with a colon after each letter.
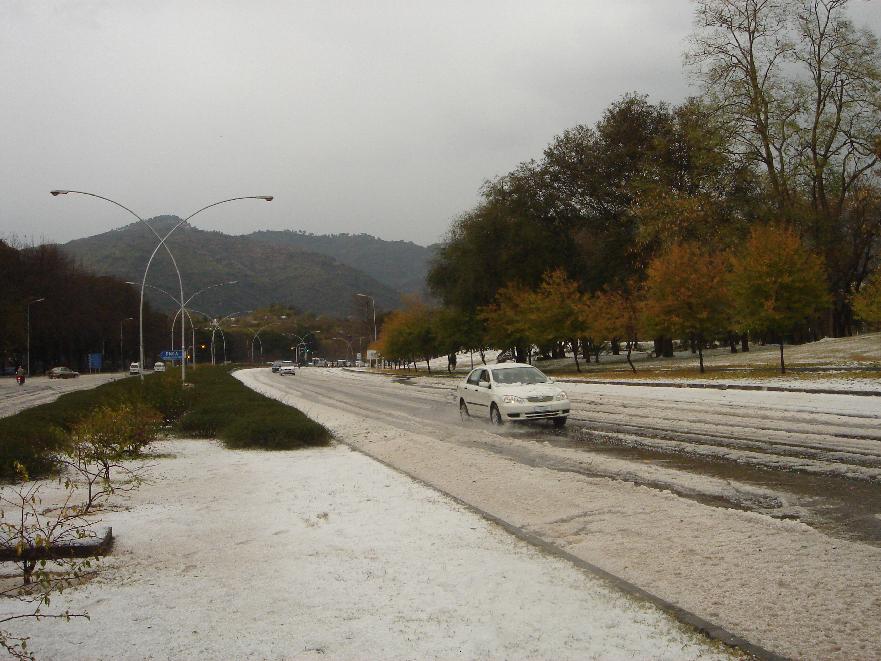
x: 778, y: 583
x: 327, y: 553
x: 847, y: 353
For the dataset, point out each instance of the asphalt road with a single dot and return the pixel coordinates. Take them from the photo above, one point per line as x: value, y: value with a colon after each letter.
x: 40, y: 390
x: 812, y: 457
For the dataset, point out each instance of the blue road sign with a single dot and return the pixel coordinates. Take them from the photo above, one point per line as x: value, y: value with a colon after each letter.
x: 95, y: 361
x: 171, y: 355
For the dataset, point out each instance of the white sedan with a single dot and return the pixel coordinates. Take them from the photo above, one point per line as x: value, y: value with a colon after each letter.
x: 512, y: 392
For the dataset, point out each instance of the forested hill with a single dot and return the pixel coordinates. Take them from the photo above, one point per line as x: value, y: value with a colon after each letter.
x: 401, y: 265
x: 266, y: 272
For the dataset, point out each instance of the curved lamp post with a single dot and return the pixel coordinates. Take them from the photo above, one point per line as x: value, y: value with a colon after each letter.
x: 39, y: 300
x: 303, y: 341
x: 183, y: 373
x: 348, y: 344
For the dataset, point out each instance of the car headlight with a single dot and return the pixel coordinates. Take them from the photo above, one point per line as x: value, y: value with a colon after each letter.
x: 560, y: 396
x: 513, y: 399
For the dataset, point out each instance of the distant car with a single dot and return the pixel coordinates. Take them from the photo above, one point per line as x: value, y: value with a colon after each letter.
x: 62, y: 373
x: 276, y: 366
x: 287, y: 369
x: 513, y: 392
x: 134, y: 368
x: 159, y: 367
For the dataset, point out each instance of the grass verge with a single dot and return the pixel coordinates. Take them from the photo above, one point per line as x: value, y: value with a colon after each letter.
x: 224, y: 408
x: 217, y: 405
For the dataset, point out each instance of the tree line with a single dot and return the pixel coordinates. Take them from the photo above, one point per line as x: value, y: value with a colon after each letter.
x: 81, y: 313
x: 755, y: 208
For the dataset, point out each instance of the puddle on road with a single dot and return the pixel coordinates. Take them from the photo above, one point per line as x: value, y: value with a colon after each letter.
x: 848, y: 509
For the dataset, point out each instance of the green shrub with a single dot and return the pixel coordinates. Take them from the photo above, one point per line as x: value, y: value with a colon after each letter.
x: 226, y: 409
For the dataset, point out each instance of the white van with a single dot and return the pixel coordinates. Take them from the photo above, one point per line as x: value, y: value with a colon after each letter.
x: 159, y: 367
x: 134, y: 368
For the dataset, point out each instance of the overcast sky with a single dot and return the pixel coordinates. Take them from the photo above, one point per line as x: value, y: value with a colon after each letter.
x: 361, y: 116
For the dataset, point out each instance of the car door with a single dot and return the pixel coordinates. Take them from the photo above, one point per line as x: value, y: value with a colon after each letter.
x: 470, y: 389
x: 483, y: 391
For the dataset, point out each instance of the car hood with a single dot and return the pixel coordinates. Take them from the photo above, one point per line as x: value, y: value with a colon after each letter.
x: 536, y: 390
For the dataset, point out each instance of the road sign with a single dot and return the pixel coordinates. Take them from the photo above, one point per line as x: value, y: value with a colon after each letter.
x: 171, y: 355
x: 95, y: 360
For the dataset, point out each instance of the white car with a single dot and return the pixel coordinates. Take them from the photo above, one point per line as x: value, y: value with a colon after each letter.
x: 134, y: 368
x: 513, y: 392
x: 159, y: 367
x: 287, y: 367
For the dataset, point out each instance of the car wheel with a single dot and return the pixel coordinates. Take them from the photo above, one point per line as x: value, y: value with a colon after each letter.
x: 559, y: 423
x: 495, y: 416
x: 463, y: 411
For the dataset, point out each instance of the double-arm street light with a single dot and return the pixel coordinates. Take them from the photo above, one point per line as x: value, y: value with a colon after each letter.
x: 38, y: 300
x: 302, y: 341
x: 373, y: 301
x: 162, y: 243
x: 186, y: 309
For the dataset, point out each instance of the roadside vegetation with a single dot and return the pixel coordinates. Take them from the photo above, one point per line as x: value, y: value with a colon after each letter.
x: 749, y: 214
x: 215, y: 405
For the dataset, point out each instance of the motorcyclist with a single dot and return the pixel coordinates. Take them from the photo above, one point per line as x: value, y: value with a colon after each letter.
x: 19, y: 375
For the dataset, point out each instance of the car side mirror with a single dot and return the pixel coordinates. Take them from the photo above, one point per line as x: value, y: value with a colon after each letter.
x: 551, y: 381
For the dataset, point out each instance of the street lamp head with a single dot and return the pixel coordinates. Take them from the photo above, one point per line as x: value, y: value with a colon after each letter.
x: 364, y: 295
x: 58, y: 192
x: 268, y: 198
x: 39, y: 300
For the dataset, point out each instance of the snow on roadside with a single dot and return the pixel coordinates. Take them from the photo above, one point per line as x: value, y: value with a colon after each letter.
x: 742, y: 570
x: 325, y: 552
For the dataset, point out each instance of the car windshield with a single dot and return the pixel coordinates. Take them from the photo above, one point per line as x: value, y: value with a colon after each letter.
x: 519, y: 376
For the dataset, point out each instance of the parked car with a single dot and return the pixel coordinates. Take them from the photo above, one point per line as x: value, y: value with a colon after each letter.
x: 276, y: 366
x: 134, y: 368
x: 159, y: 367
x: 513, y: 392
x: 62, y: 373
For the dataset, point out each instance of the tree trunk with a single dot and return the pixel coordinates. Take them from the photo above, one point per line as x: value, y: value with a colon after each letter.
x: 428, y: 364
x: 629, y: 351
x: 732, y: 342
x: 575, y: 354
x: 700, y: 350
x: 482, y: 357
x: 616, y: 347
x: 744, y: 342
x: 782, y: 364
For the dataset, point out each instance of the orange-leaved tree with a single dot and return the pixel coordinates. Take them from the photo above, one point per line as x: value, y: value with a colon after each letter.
x: 555, y: 312
x: 508, y: 320
x: 867, y: 302
x: 614, y: 315
x: 776, y: 284
x: 685, y: 294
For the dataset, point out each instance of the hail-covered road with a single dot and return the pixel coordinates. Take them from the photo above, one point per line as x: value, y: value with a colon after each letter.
x: 757, y: 511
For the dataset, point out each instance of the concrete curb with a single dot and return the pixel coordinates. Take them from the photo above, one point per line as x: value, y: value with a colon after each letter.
x: 701, y: 625
x: 728, y: 386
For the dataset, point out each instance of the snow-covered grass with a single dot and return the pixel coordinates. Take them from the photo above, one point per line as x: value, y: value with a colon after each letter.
x: 327, y: 553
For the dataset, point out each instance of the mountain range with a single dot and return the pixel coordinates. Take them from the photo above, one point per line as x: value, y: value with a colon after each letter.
x: 312, y: 273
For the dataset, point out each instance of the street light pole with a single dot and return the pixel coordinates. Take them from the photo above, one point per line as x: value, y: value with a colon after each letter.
x: 121, y: 357
x: 373, y: 301
x: 39, y: 300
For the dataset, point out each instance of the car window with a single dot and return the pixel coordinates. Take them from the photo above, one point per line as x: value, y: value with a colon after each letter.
x: 484, y: 376
x: 473, y: 377
x: 519, y: 375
